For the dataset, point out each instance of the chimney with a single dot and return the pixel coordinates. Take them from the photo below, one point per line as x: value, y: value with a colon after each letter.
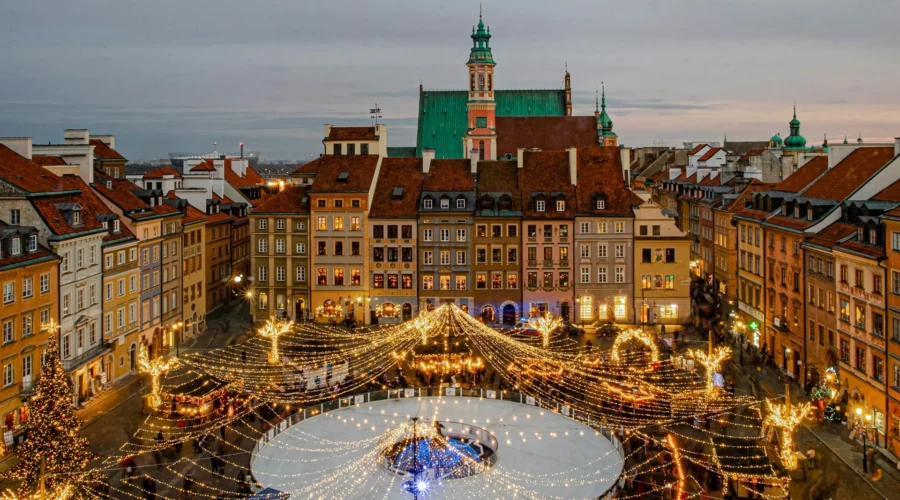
x: 573, y: 166
x: 77, y: 136
x: 473, y: 159
x: 328, y: 129
x: 21, y: 145
x: 109, y: 140
x: 520, y: 157
x: 896, y: 146
x: 625, y: 155
x: 427, y: 156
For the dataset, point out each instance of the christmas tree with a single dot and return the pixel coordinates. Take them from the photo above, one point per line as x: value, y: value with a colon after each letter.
x: 52, y: 430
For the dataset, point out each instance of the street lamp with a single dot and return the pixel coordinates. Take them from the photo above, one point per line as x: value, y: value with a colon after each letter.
x: 865, y: 425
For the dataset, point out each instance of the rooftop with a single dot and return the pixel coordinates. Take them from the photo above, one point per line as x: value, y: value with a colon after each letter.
x: 544, y: 132
x: 851, y: 173
x: 803, y: 176
x: 291, y: 200
x: 352, y: 134
x: 389, y: 201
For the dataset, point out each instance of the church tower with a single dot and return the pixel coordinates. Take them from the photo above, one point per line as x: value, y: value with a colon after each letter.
x: 481, y: 133
x: 605, y: 132
x: 568, y: 87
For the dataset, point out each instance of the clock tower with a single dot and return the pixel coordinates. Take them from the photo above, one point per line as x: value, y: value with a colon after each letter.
x: 481, y: 132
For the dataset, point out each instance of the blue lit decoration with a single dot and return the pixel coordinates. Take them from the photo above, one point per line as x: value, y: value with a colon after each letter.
x: 429, y: 455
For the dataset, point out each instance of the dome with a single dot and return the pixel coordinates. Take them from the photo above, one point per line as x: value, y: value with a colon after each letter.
x: 795, y: 142
x: 776, y: 140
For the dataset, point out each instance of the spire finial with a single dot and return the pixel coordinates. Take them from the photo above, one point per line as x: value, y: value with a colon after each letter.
x: 795, y: 109
x: 603, y: 95
x: 597, y: 100
x: 479, y: 10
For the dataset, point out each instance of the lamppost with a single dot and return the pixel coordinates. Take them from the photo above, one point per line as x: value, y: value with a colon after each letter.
x: 175, y: 327
x: 865, y: 426
x: 580, y: 312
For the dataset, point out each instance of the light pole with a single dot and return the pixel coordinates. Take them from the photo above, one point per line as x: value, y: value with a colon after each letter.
x: 865, y: 420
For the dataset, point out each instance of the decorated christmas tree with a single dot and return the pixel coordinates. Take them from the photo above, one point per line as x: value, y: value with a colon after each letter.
x: 52, y: 430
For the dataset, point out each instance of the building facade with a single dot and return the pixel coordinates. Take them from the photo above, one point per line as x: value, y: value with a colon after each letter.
x: 662, y: 288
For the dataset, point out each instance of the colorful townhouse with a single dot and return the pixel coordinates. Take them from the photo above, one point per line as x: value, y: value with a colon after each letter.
x: 661, y: 272
x: 392, y: 236
x: 29, y: 277
x: 279, y: 234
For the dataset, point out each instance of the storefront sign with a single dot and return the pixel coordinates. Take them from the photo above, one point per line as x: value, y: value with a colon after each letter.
x: 751, y: 311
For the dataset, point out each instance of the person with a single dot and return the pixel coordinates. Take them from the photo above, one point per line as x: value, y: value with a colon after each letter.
x: 811, y: 456
x: 188, y: 485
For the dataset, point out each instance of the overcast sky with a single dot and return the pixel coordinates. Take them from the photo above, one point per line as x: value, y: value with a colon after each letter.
x: 176, y: 75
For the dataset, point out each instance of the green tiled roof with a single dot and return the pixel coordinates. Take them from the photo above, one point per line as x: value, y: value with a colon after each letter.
x: 443, y: 114
x: 401, y: 151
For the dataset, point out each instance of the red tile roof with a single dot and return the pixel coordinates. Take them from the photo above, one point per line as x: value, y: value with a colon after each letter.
x: 48, y: 208
x: 361, y: 170
x: 103, y: 152
x: 710, y: 181
x: 162, y: 171
x: 600, y: 172
x: 544, y: 132
x: 861, y: 248
x: 6, y: 259
x: 741, y: 201
x: 709, y: 154
x: 803, y: 176
x: 25, y: 174
x: 352, y: 134
x: 193, y: 215
x: 546, y: 172
x: 696, y: 149
x: 499, y: 177
x: 832, y: 234
x: 288, y: 201
x: 750, y: 213
x: 405, y: 173
x: 96, y: 205
x: 851, y: 173
x: 204, y: 166
x: 448, y: 175
x: 788, y: 222
x: 122, y: 195
x: 307, y: 168
x: 48, y: 161
x: 890, y: 193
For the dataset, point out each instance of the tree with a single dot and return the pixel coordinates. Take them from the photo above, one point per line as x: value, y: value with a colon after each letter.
x: 52, y: 430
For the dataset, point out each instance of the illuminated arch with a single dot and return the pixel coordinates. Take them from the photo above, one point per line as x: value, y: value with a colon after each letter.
x: 643, y: 337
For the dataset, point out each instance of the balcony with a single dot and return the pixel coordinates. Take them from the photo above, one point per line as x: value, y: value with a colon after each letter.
x: 26, y: 388
x: 92, y: 353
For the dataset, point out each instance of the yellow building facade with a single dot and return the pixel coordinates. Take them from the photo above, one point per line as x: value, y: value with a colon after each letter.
x: 662, y: 290
x: 29, y: 280
x: 193, y: 276
x: 121, y: 300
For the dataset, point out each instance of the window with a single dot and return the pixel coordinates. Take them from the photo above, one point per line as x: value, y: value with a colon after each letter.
x: 620, y: 227
x: 263, y: 223
x: 460, y: 235
x: 445, y: 257
x: 620, y: 274
x: 427, y: 282
x: 8, y: 375
x: 844, y: 273
x: 646, y: 282
x: 602, y: 227
x: 301, y: 248
x: 428, y: 203
x: 860, y: 277
x: 279, y: 273
x: 322, y: 248
x: 321, y: 223
x: 445, y: 234
x: 585, y: 274
x: 279, y: 245
x: 337, y: 223
x: 585, y: 252
x: 540, y: 205
x: 860, y: 316
x: 876, y: 284
x: 668, y: 311
x: 461, y: 258
x: 601, y: 274
x: 445, y: 282
x: 338, y: 248
x: 9, y: 331
x: 645, y: 254
x: 601, y: 204
x: 584, y: 227
x: 861, y: 359
x: 512, y: 281
x: 877, y: 324
x: 445, y: 203
x: 878, y: 368
x: 670, y: 282
x: 460, y: 203
x: 355, y: 276
x: 620, y: 250
x: 263, y: 273
x: 532, y: 279
x: 560, y: 205
x: 461, y: 282
x: 27, y: 287
x: 262, y: 245
x: 512, y: 255
x: 548, y: 279
x: 670, y: 255
x: 428, y: 235
x: 354, y: 248
x: 9, y: 293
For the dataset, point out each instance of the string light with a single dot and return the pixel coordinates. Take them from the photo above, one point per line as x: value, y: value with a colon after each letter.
x: 154, y: 368
x: 546, y: 325
x: 272, y: 330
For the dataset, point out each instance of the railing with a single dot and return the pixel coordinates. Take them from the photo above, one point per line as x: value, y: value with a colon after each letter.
x: 93, y: 352
x: 369, y: 397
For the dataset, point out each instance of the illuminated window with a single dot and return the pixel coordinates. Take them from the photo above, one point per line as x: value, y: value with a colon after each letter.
x: 602, y: 311
x: 668, y: 312
x: 587, y: 307
x: 646, y: 282
x: 427, y: 282
x: 338, y: 223
x: 445, y: 282
x: 619, y: 304
x: 512, y: 281
x: 321, y: 224
x: 460, y: 282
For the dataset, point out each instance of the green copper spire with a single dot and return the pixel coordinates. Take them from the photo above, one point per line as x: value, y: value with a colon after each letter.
x: 481, y: 48
x: 845, y: 138
x: 795, y: 141
x: 606, y: 124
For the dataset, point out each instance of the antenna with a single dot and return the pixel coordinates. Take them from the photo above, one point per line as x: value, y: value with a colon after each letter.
x: 375, y: 114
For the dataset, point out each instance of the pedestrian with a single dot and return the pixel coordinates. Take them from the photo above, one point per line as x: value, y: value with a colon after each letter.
x: 244, y: 356
x: 811, y: 456
x: 188, y: 485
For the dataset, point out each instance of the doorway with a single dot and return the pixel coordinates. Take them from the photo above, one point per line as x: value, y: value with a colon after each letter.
x: 487, y: 314
x: 407, y: 311
x: 509, y: 314
x: 564, y: 311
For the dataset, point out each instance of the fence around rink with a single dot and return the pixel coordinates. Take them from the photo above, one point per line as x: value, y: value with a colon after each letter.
x: 299, y: 415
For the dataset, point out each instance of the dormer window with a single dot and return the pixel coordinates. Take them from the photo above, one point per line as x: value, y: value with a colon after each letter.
x: 809, y: 213
x: 428, y: 203
x: 32, y: 243
x: 16, y: 246
x: 540, y: 205
x: 105, y: 225
x: 505, y: 202
x: 76, y: 217
x: 460, y: 202
x: 860, y: 234
x: 445, y: 202
x: 486, y: 202
x: 873, y: 236
x: 116, y: 227
x: 109, y: 185
x: 796, y: 211
x: 560, y: 205
x: 601, y: 204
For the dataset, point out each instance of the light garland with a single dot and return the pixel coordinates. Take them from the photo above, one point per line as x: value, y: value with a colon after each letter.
x: 272, y: 330
x: 545, y: 325
x: 786, y: 419
x: 641, y: 336
x: 154, y: 368
x: 711, y: 361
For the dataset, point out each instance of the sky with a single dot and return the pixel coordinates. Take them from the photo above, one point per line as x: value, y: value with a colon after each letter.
x: 178, y: 75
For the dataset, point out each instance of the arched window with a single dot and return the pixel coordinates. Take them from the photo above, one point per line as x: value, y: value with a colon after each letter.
x: 480, y: 82
x: 480, y: 150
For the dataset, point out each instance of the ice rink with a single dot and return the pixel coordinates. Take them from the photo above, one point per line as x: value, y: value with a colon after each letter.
x: 541, y: 454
